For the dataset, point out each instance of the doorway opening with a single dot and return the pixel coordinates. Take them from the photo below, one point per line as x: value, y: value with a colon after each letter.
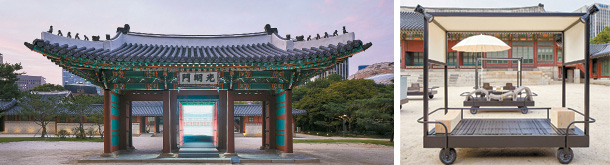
x: 197, y: 132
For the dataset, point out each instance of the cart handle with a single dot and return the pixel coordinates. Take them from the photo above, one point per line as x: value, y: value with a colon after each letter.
x: 592, y: 120
x: 444, y: 126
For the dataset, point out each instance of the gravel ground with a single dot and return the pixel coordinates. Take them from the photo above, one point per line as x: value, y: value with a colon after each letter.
x: 412, y: 151
x: 70, y: 152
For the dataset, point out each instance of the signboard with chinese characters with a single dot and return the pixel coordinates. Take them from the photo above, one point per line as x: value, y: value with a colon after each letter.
x: 196, y: 78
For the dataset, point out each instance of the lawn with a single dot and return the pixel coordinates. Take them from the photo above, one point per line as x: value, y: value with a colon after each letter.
x: 378, y: 142
x: 18, y: 139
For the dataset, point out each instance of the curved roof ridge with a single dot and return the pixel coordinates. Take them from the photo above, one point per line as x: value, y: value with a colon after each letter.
x: 196, y: 36
x: 538, y: 8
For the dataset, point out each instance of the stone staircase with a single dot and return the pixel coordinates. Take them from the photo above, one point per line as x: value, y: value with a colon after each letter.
x: 466, y: 77
x: 198, y: 147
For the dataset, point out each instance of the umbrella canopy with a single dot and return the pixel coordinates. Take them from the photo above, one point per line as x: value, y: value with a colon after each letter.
x: 481, y: 43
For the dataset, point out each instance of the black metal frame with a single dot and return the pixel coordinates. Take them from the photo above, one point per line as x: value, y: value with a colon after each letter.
x: 449, y: 141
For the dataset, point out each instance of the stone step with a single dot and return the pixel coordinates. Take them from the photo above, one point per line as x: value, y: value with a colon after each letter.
x: 198, y: 155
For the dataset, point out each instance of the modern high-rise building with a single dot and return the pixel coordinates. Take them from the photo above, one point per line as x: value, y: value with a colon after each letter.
x: 340, y: 69
x: 1, y: 62
x: 69, y: 78
x: 599, y: 20
x: 26, y: 83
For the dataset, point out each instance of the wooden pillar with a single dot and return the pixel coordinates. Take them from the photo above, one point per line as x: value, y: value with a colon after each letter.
x: 111, y: 122
x: 123, y: 124
x: 403, y: 54
x: 166, y: 123
x: 271, y: 124
x: 221, y: 126
x: 242, y: 123
x: 142, y: 124
x: 130, y: 126
x: 264, y: 125
x: 174, y: 121
x: 284, y: 121
x: 157, y: 124
x: 230, y: 121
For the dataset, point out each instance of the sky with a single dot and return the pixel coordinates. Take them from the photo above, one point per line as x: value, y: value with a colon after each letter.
x: 549, y: 5
x: 23, y: 21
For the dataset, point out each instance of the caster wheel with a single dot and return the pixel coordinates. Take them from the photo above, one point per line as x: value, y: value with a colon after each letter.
x: 431, y: 96
x: 524, y: 110
x: 565, y: 156
x: 447, y: 157
x: 474, y: 111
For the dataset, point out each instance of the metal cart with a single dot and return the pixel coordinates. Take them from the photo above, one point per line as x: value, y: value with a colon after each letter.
x: 416, y: 90
x: 506, y: 133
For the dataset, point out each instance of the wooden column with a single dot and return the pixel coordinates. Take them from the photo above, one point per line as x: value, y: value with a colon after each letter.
x: 142, y: 124
x: 123, y: 124
x: 264, y: 129
x: 271, y: 124
x: 166, y: 123
x: 174, y: 121
x: 403, y: 54
x: 157, y: 124
x: 221, y: 127
x: 230, y: 121
x: 111, y: 123
x: 284, y: 121
x: 129, y: 126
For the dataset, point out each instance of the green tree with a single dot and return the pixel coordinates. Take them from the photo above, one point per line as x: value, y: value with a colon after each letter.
x: 97, y: 117
x: 377, y: 113
x: 327, y: 100
x: 49, y: 88
x: 602, y: 37
x: 8, y: 77
x: 42, y: 109
x: 79, y: 107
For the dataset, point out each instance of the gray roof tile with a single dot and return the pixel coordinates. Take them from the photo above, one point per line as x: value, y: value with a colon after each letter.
x: 411, y: 21
x: 599, y: 50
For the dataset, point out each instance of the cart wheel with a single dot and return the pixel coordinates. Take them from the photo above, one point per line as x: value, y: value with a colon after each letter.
x: 447, y: 157
x: 431, y: 96
x: 474, y: 111
x: 524, y: 110
x: 565, y: 156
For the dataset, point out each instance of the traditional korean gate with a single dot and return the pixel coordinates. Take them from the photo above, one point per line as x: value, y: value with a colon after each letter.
x: 260, y: 66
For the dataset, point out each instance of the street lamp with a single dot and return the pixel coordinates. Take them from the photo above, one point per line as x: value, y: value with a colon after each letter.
x: 344, y: 117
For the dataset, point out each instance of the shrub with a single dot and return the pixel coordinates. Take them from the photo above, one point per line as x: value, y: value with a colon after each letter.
x: 90, y: 132
x: 62, y: 133
x: 76, y: 132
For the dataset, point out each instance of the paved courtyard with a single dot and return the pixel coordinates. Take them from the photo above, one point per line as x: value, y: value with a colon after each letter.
x: 36, y: 152
x: 549, y: 96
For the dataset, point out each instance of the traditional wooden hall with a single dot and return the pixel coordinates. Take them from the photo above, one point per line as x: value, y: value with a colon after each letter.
x: 201, y: 76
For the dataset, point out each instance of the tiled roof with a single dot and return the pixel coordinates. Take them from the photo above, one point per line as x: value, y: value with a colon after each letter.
x: 411, y: 21
x: 257, y: 110
x: 145, y: 47
x: 6, y: 104
x: 147, y: 108
x: 599, y: 50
